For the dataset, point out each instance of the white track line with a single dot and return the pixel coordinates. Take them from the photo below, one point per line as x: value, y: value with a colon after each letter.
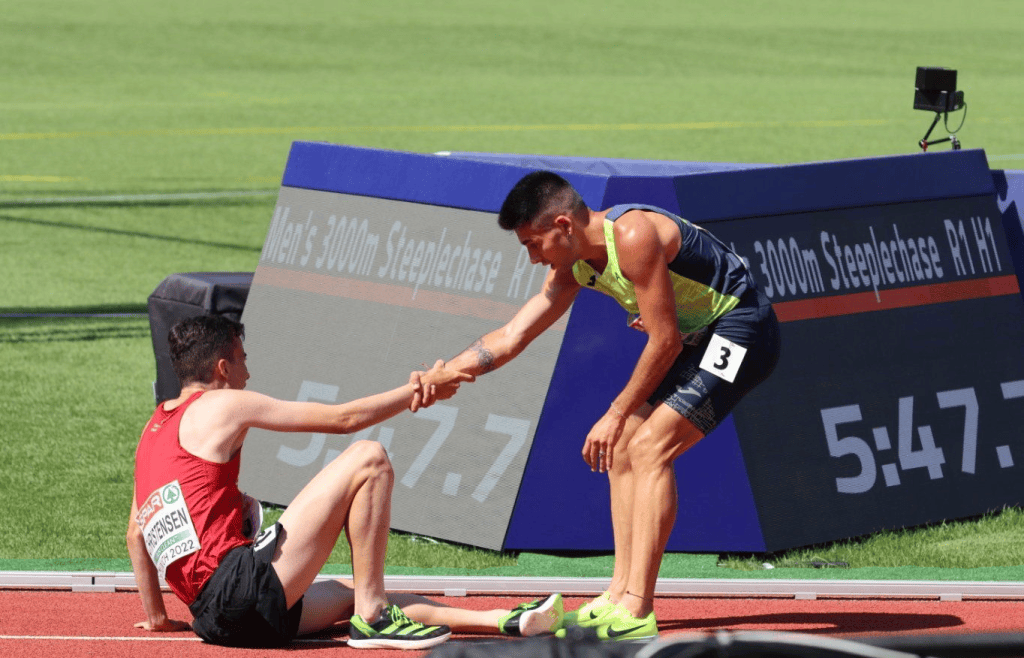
x: 95, y: 638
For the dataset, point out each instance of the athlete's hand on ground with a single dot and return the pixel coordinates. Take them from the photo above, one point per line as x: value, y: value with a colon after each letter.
x: 165, y: 626
x: 600, y: 443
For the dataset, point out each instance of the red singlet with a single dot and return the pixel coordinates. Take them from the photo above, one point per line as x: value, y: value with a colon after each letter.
x: 212, y: 501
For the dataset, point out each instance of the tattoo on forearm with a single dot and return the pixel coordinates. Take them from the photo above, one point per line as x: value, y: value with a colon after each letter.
x: 484, y: 357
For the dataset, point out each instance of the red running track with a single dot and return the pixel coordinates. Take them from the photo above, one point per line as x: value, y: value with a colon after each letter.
x: 63, y: 624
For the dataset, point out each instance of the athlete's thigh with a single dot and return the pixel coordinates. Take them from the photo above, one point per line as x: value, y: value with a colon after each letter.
x: 316, y: 516
x: 663, y: 436
x: 709, y: 379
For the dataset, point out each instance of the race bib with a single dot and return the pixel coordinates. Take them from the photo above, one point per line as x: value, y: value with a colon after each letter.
x: 723, y: 358
x: 167, y: 526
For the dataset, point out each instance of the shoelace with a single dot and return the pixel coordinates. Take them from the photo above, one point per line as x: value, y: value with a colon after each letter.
x: 399, y: 617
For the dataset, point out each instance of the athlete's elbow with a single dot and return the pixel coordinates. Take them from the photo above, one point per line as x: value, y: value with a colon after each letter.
x: 670, y: 346
x: 344, y: 424
x: 353, y: 420
x: 133, y: 537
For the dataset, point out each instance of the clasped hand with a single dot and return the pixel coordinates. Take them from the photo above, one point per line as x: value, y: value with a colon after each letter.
x: 438, y: 383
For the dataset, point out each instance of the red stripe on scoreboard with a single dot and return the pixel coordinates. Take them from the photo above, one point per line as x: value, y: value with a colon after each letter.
x: 866, y: 302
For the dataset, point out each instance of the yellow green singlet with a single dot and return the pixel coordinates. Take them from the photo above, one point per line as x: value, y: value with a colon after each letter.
x: 708, y: 278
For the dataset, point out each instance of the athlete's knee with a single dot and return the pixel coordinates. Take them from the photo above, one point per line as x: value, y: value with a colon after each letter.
x: 621, y: 464
x: 647, y: 450
x: 372, y: 456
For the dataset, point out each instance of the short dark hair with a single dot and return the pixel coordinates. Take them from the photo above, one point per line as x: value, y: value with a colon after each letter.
x: 197, y: 344
x: 537, y: 196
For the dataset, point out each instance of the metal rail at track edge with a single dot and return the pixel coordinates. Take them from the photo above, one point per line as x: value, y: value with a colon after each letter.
x: 99, y: 581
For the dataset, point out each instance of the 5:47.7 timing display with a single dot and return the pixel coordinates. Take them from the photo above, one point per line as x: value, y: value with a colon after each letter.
x: 913, y: 449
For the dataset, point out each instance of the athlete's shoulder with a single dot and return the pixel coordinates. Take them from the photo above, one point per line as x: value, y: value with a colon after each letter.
x: 621, y: 209
x: 234, y: 401
x: 216, y: 424
x: 635, y: 227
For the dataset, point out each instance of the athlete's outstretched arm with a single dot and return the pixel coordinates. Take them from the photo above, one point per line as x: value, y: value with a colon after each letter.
x: 500, y: 346
x: 216, y: 424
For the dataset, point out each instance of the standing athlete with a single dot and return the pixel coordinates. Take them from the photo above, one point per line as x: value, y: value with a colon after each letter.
x: 188, y: 519
x: 712, y: 336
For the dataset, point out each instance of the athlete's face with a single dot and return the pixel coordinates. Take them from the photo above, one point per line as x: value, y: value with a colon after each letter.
x: 549, y: 244
x: 238, y: 371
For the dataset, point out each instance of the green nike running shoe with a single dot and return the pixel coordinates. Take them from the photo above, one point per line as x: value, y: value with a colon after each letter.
x: 394, y: 631
x: 588, y: 613
x: 534, y: 618
x: 617, y: 624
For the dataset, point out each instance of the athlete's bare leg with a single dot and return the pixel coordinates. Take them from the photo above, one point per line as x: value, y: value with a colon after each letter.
x: 327, y: 602
x: 352, y: 493
x: 620, y: 481
x: 433, y: 613
x: 652, y: 450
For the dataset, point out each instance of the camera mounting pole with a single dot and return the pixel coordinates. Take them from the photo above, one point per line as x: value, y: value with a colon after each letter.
x: 924, y: 143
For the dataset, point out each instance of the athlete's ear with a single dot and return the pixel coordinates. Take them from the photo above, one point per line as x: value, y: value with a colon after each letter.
x: 220, y: 369
x: 563, y: 221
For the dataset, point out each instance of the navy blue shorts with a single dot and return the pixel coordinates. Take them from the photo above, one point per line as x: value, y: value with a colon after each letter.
x: 743, y: 345
x: 243, y: 603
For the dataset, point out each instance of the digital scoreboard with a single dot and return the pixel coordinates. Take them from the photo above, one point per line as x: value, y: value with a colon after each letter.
x: 896, y: 402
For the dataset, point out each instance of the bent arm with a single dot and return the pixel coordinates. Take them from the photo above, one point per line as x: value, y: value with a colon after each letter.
x: 148, y: 580
x: 500, y: 346
x: 643, y: 260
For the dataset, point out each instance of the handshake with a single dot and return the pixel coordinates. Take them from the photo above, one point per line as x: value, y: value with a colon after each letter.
x: 435, y: 384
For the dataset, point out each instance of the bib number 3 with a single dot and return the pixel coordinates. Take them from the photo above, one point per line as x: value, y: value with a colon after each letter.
x: 723, y: 358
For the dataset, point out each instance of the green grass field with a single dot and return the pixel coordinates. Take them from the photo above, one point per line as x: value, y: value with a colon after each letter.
x: 126, y: 98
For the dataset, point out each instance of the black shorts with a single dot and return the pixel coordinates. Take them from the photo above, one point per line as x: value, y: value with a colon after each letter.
x: 698, y: 387
x: 243, y: 603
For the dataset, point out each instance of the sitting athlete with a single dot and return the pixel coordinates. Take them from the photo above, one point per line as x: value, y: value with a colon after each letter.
x: 188, y: 517
x: 712, y: 336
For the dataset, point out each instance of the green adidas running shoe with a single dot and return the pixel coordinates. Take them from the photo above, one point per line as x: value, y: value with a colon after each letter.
x: 617, y: 624
x: 588, y: 613
x: 394, y: 631
x: 534, y: 618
